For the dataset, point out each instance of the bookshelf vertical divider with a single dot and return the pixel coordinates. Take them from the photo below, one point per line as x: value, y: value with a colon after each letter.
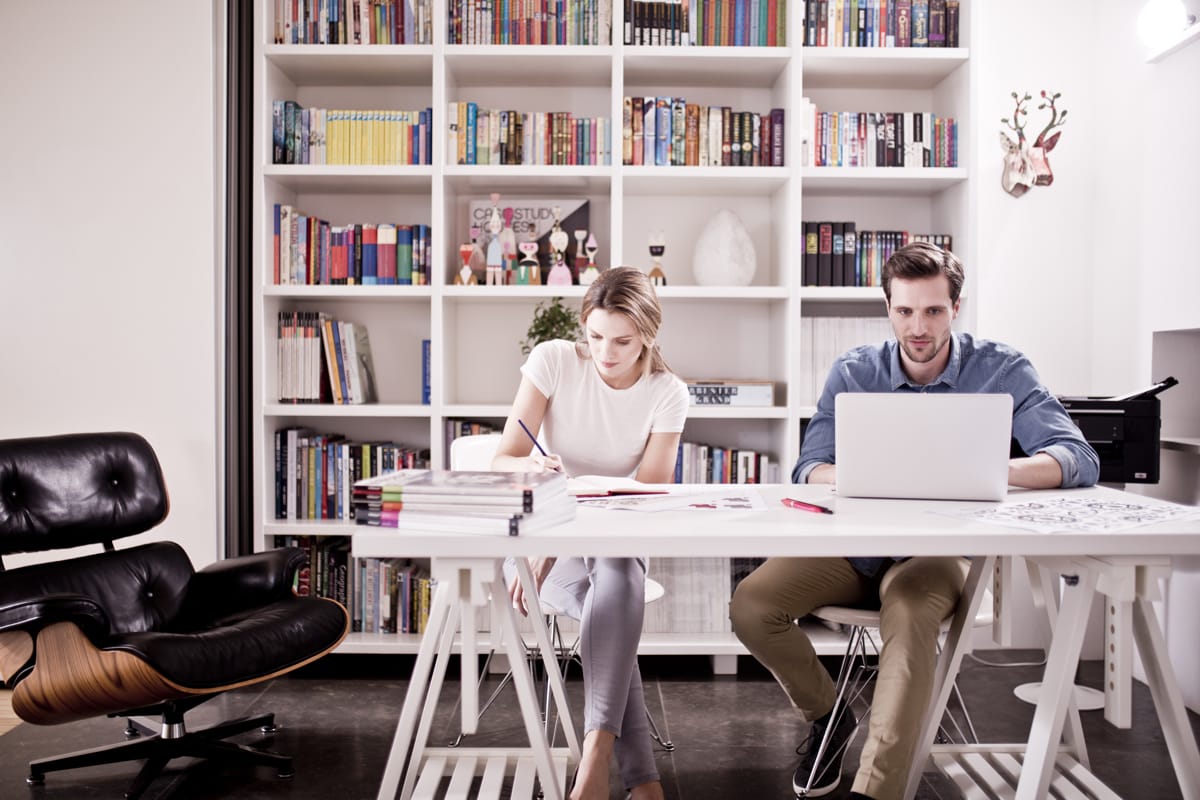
x: 773, y: 329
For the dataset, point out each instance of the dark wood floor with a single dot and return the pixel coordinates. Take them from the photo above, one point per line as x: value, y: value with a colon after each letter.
x: 735, y: 736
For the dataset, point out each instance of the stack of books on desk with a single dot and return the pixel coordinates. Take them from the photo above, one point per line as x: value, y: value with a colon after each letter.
x: 457, y: 501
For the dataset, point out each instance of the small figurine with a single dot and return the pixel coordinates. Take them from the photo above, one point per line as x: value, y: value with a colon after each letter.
x: 658, y: 246
x: 508, y: 246
x: 478, y: 259
x: 527, y: 270
x: 560, y: 274
x: 591, y: 271
x: 465, y: 276
x: 580, y: 258
x: 495, y: 254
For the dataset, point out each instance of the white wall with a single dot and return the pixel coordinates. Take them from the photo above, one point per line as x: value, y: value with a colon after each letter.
x: 108, y: 255
x: 1081, y: 273
x: 1156, y: 285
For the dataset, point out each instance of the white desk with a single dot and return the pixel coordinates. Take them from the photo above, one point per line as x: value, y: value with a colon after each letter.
x: 1123, y: 566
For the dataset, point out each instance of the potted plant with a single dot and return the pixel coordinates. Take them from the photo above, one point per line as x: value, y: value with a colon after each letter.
x: 553, y: 321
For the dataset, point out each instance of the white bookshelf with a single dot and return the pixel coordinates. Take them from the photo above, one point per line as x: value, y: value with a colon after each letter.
x: 751, y: 332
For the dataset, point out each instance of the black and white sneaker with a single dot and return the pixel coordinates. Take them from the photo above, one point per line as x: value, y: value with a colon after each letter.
x: 820, y: 771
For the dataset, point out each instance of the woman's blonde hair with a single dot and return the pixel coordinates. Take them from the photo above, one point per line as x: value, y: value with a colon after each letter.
x: 627, y: 290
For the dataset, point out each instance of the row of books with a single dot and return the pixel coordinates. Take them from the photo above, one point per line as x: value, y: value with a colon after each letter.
x: 838, y: 254
x: 500, y: 136
x: 383, y: 595
x: 704, y: 463
x: 881, y: 23
x: 353, y: 22
x: 314, y: 472
x: 529, y: 22
x: 823, y: 339
x: 323, y: 360
x: 669, y: 131
x: 378, y: 137
x: 735, y: 23
x: 876, y: 139
x: 309, y: 251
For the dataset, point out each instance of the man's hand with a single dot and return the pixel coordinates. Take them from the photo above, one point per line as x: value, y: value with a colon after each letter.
x: 1039, y: 471
x: 540, y: 567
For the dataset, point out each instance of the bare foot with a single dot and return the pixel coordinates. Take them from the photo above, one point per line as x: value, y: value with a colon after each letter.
x: 651, y: 790
x: 591, y: 779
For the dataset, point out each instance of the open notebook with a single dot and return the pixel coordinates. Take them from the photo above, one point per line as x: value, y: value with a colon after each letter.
x: 586, y: 486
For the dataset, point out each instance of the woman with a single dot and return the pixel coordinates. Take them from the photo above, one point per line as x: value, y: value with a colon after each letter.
x: 612, y: 407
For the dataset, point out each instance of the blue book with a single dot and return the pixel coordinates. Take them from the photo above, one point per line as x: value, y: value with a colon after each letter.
x: 404, y: 254
x: 341, y: 364
x: 427, y: 131
x: 370, y: 259
x: 425, y: 372
x: 472, y: 112
x: 662, y: 132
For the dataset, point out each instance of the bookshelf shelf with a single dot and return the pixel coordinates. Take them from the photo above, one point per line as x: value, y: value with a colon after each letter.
x: 746, y: 181
x: 841, y: 294
x: 515, y: 294
x: 705, y: 67
x: 767, y: 330
x: 528, y: 65
x: 723, y: 293
x: 346, y: 179
x: 737, y: 412
x: 353, y: 64
x: 890, y: 68
x: 363, y: 410
x: 881, y: 181
x: 369, y: 294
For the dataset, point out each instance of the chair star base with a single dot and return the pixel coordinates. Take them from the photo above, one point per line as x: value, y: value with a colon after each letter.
x: 158, y: 751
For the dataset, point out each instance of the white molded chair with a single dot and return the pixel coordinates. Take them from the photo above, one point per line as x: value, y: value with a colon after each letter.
x: 476, y: 453
x: 855, y: 674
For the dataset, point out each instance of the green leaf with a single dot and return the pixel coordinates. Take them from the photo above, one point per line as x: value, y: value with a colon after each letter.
x: 554, y: 321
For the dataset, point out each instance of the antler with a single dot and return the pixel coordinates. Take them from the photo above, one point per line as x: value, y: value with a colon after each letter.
x: 1056, y: 117
x: 1017, y: 125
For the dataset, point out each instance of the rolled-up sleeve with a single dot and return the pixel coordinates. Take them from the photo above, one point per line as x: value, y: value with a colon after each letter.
x: 1042, y: 425
x: 817, y: 448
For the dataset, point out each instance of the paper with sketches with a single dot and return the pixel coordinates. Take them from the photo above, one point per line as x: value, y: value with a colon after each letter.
x: 1078, y: 514
x: 725, y: 498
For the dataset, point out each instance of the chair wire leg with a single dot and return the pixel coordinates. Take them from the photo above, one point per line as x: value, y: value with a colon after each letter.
x: 855, y: 651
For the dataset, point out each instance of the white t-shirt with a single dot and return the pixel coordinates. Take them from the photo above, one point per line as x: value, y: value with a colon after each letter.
x: 596, y: 429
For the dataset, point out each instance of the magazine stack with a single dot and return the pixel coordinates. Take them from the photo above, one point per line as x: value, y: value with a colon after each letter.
x: 459, y: 501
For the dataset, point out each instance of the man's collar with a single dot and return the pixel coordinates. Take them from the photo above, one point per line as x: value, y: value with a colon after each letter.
x: 949, y: 375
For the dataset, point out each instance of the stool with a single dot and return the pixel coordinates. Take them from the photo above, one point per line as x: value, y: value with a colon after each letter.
x: 566, y: 655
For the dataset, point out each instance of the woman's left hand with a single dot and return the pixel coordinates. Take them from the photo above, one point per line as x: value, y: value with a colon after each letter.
x: 540, y: 567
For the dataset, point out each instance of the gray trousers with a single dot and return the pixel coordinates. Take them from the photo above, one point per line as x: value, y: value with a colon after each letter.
x: 608, y: 597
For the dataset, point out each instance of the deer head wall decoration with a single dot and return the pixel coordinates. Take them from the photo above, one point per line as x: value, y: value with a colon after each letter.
x: 1025, y: 165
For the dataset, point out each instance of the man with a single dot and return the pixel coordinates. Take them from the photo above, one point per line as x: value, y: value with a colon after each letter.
x: 921, y: 284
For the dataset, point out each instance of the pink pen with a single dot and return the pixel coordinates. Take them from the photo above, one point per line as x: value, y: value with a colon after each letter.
x: 791, y: 502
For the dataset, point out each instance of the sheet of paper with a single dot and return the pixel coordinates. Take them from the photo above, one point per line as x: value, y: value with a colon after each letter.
x: 1078, y: 514
x: 719, y: 498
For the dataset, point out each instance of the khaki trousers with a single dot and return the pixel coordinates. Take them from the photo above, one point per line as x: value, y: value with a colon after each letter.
x: 914, y: 597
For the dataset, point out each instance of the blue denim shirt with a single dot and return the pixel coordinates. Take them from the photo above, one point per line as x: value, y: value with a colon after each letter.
x: 1040, y: 423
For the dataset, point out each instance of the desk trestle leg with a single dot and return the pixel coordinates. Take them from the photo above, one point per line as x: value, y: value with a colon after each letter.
x: 464, y: 585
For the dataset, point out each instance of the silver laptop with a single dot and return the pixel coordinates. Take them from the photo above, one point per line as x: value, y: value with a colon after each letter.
x: 923, y: 446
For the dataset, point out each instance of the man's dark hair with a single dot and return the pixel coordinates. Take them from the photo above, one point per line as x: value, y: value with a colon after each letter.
x: 923, y: 260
